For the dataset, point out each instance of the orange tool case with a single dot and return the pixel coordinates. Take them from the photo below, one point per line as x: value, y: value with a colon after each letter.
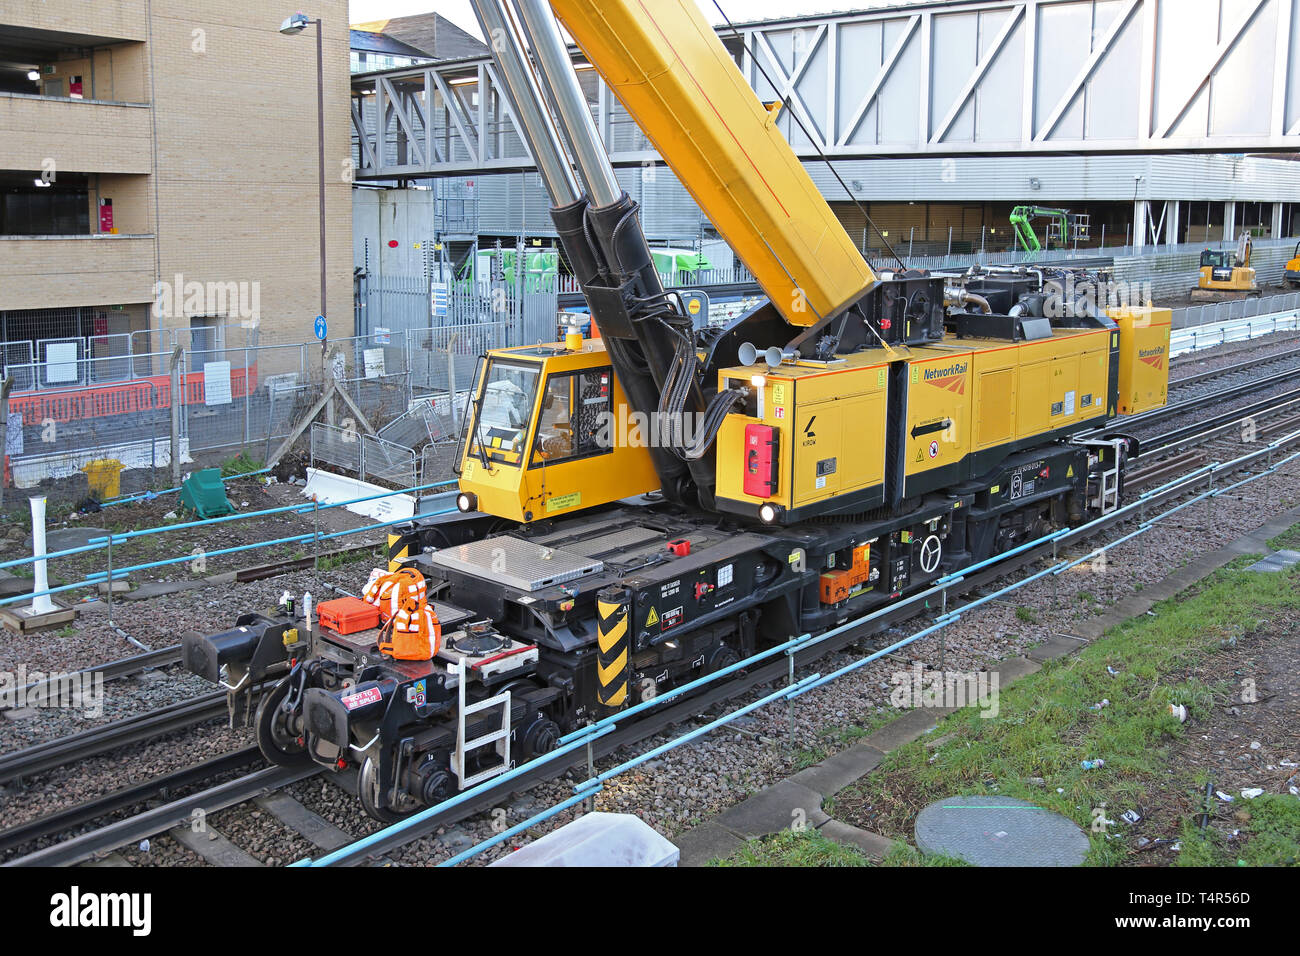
x: 348, y: 615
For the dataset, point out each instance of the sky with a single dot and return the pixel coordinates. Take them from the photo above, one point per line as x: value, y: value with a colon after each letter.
x: 460, y: 13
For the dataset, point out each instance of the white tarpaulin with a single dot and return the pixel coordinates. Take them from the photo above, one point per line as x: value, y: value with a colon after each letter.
x: 329, y: 488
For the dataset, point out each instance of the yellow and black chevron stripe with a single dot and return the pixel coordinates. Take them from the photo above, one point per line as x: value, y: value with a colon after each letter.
x: 613, y: 646
x: 400, y: 546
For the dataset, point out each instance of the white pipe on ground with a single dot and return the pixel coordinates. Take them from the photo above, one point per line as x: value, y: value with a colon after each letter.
x: 41, y: 603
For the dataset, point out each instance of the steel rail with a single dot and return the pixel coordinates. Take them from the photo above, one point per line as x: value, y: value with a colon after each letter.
x: 162, y: 786
x: 160, y: 819
x: 114, y: 670
x: 778, y: 669
x: 129, y: 730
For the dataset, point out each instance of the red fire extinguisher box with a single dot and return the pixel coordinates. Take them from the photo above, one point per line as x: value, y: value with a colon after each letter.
x: 761, y: 460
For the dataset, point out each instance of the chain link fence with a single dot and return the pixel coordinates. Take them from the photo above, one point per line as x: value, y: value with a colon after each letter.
x: 217, y: 396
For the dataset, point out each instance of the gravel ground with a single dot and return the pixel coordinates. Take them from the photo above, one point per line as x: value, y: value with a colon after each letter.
x: 1224, y: 356
x: 162, y: 851
x: 681, y: 788
x: 672, y: 793
x: 260, y: 835
x: 684, y: 786
x: 68, y: 786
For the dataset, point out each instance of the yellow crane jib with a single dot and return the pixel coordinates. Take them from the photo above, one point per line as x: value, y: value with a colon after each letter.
x: 674, y: 76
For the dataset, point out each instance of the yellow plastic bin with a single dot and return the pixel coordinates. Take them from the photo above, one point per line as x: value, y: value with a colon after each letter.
x: 105, y: 478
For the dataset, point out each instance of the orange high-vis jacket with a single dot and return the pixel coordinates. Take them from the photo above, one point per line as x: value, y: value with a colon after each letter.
x: 412, y: 631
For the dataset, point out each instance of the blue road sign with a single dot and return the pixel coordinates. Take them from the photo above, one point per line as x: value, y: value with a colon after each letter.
x: 321, y: 328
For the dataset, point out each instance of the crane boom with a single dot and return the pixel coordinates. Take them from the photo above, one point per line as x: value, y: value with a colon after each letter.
x: 674, y: 76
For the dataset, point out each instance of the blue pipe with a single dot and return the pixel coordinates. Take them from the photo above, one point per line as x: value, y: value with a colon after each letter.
x: 222, y: 519
x: 980, y: 565
x: 790, y: 690
x: 848, y: 668
x: 613, y: 720
x: 520, y: 828
x: 95, y: 577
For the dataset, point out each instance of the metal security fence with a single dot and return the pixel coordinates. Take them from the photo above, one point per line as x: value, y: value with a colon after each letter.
x: 416, y: 447
x: 220, y: 395
x: 336, y: 447
x: 1216, y: 313
x: 442, y: 360
x: 388, y: 462
x: 76, y: 400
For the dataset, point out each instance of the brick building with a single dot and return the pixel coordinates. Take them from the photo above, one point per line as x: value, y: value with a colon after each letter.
x: 164, y: 153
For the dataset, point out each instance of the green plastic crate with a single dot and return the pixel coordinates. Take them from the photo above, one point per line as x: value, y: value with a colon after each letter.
x: 205, y: 495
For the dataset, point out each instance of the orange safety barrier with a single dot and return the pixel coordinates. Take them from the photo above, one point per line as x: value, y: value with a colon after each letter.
x: 120, y: 398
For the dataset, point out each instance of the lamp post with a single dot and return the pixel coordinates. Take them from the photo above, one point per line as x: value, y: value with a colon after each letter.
x: 291, y: 26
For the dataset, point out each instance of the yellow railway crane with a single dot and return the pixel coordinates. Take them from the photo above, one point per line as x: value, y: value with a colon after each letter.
x: 647, y: 507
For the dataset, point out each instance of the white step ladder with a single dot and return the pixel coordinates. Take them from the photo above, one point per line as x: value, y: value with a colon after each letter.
x: 1108, y: 498
x: 499, y: 739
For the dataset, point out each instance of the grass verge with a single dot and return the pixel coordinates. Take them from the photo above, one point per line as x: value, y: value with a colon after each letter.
x: 1046, y: 725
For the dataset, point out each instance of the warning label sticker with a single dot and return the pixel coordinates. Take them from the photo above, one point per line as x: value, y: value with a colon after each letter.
x: 652, y: 618
x: 370, y: 695
x: 671, y: 619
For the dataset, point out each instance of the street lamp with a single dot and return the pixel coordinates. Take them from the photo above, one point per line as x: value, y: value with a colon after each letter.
x: 291, y: 26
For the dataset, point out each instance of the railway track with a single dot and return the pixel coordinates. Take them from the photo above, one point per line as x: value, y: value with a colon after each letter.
x: 1289, y: 360
x: 111, y: 736
x: 263, y: 784
x: 54, y: 685
x: 163, y: 787
x: 176, y: 815
x: 1176, y: 452
x: 1191, y: 358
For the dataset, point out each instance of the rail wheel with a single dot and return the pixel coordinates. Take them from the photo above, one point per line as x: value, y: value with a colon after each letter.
x: 722, y: 656
x: 368, y: 793
x: 277, y: 738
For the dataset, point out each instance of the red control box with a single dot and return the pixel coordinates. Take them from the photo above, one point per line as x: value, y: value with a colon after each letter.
x: 761, y: 461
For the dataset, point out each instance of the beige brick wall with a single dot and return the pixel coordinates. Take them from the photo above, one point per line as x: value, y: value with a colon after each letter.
x: 116, y: 19
x: 237, y: 156
x: 41, y: 273
x: 235, y: 188
x: 79, y: 137
x: 114, y: 72
x: 132, y: 203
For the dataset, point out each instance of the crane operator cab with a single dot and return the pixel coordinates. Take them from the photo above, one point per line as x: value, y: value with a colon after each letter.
x: 548, y: 431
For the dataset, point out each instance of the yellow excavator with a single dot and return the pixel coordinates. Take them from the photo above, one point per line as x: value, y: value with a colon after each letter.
x: 1292, y: 278
x: 1227, y: 275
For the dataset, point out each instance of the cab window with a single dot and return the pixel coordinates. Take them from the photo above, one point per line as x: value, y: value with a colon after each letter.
x: 573, y: 418
x: 499, y: 424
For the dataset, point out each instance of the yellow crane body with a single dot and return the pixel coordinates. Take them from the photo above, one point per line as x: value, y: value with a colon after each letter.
x: 667, y: 66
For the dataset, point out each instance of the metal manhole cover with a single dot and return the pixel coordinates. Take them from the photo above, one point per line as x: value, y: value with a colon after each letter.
x: 999, y: 831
